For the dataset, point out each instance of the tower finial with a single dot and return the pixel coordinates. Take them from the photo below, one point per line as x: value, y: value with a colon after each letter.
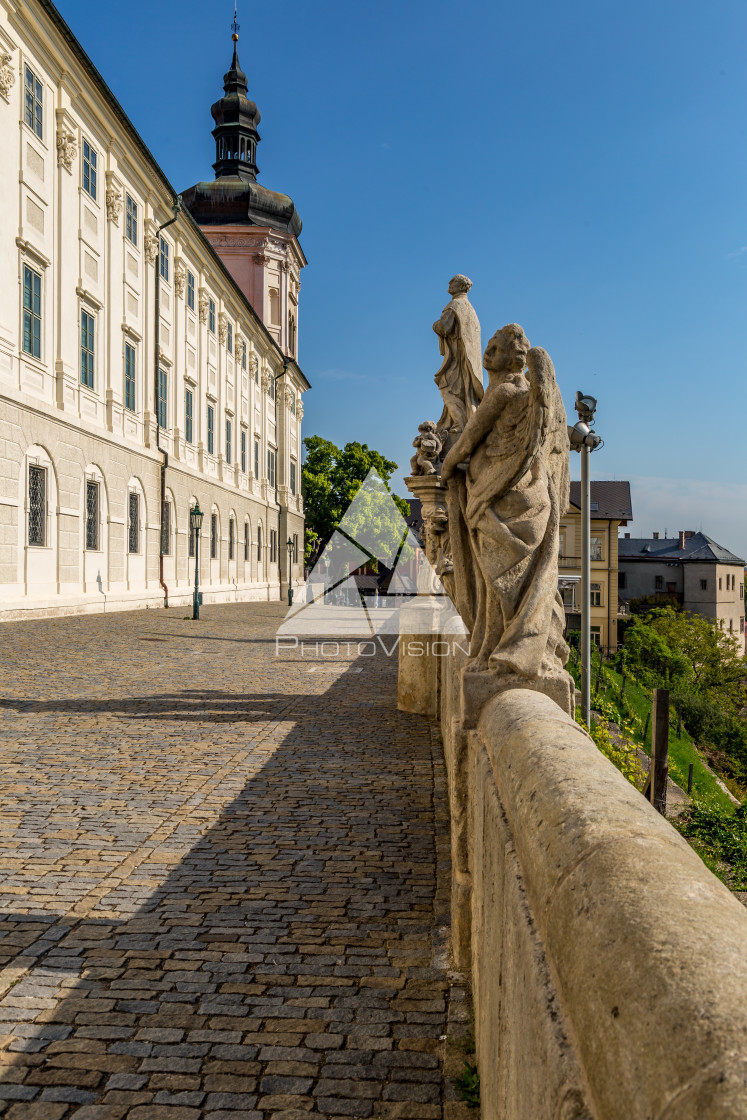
x: 235, y: 25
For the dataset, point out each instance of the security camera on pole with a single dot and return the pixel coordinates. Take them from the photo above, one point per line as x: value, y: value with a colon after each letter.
x: 584, y: 439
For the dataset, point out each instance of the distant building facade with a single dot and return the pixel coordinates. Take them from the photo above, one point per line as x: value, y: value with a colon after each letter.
x: 104, y: 447
x: 610, y: 508
x: 700, y: 575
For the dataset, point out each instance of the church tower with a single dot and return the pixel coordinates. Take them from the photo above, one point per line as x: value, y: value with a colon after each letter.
x: 252, y: 229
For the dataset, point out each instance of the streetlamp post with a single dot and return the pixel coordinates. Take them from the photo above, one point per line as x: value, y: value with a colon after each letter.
x: 291, y: 549
x: 584, y: 439
x: 195, y: 524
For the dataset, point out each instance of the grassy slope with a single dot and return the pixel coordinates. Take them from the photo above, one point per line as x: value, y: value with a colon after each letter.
x: 682, y: 750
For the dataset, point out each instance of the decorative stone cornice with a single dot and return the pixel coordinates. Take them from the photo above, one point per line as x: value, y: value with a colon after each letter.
x: 203, y: 305
x: 31, y: 251
x: 113, y: 199
x: 180, y: 276
x: 222, y: 327
x: 7, y: 75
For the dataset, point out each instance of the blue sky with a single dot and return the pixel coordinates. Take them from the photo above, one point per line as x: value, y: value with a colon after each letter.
x: 585, y: 164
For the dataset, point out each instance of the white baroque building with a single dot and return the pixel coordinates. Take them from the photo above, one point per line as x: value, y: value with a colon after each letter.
x: 103, y: 448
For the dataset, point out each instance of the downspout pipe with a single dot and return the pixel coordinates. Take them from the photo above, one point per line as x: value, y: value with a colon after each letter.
x: 156, y: 371
x: 284, y: 370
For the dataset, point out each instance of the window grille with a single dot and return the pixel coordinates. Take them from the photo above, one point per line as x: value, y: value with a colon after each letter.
x: 129, y: 377
x: 213, y: 535
x: 230, y: 538
x: 190, y: 291
x: 92, y: 516
x: 131, y: 220
x: 133, y: 527
x: 37, y: 506
x: 229, y: 441
x: 89, y: 169
x: 247, y: 541
x: 211, y: 429
x: 87, y: 344
x: 166, y: 528
x: 31, y: 312
x: 34, y: 103
x: 243, y: 450
x: 163, y: 259
x: 163, y: 398
x: 189, y: 404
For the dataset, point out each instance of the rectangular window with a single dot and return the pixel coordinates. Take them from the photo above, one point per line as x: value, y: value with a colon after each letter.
x: 37, y: 506
x: 595, y: 590
x: 191, y: 533
x: 163, y: 398
x: 243, y: 355
x: 89, y: 169
x: 133, y: 524
x: 229, y: 338
x: 622, y: 580
x: 131, y: 220
x: 129, y: 377
x: 247, y: 542
x: 293, y: 477
x: 92, y: 516
x: 704, y: 585
x: 211, y: 316
x: 720, y: 581
x: 87, y: 344
x: 211, y: 429
x: 273, y: 546
x: 231, y: 524
x: 189, y: 405
x: 163, y: 259
x: 34, y: 113
x: 31, y: 312
x: 165, y: 528
x: 295, y: 548
x: 271, y: 466
x: 596, y: 548
x: 256, y: 458
x: 229, y: 440
x: 658, y: 582
x: 190, y: 291
x: 596, y: 635
x: 213, y: 535
x: 243, y: 450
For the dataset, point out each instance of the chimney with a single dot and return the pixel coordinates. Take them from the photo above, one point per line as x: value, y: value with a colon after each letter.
x: 683, y: 538
x: 689, y: 533
x: 627, y: 536
x: 656, y: 536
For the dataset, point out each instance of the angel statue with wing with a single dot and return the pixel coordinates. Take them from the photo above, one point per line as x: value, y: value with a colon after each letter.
x: 508, y: 484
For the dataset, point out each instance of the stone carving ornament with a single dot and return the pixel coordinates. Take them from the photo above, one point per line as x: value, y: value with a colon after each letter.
x: 460, y: 377
x: 67, y: 148
x: 222, y: 327
x: 253, y: 364
x: 299, y: 411
x: 508, y: 483
x: 180, y: 276
x: 150, y: 244
x: 266, y: 379
x: 428, y: 445
x: 203, y: 306
x: 7, y: 75
x: 113, y: 202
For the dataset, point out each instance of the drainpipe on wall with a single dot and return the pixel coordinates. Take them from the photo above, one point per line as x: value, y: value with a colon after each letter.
x: 283, y: 371
x: 157, y: 367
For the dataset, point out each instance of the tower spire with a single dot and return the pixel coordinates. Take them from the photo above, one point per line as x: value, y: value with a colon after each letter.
x: 236, y: 120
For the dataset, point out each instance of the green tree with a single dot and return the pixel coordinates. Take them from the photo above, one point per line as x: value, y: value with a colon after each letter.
x: 330, y: 479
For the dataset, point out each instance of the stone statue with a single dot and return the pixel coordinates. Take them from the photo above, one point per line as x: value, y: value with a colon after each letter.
x: 427, y: 446
x: 504, y: 513
x: 460, y: 376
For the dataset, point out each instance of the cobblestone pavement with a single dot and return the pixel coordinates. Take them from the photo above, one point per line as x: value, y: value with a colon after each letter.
x: 223, y: 877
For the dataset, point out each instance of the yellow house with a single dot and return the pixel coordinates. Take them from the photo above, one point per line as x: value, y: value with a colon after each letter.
x: 610, y: 508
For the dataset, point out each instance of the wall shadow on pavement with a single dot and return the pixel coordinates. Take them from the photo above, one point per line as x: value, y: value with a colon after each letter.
x: 191, y: 704
x: 282, y: 936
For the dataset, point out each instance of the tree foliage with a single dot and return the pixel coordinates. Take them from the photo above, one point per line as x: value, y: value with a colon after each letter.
x: 330, y: 479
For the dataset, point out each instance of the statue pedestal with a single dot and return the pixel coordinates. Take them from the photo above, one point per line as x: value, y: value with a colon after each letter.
x: 431, y: 633
x: 477, y: 688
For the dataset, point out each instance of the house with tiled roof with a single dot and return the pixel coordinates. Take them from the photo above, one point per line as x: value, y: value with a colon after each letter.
x: 692, y: 569
x: 611, y: 507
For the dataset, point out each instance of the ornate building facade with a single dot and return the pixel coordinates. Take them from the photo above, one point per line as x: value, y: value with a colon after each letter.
x: 146, y: 363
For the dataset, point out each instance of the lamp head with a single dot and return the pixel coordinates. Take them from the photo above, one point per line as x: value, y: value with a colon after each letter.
x: 585, y: 406
x: 195, y: 517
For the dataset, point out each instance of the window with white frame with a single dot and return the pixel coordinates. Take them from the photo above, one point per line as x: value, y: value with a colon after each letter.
x: 189, y: 407
x: 37, y: 506
x: 163, y: 398
x: 211, y: 429
x: 190, y: 291
x: 293, y: 477
x: 87, y: 348
x: 231, y: 537
x: 229, y: 439
x: 31, y: 312
x: 131, y: 219
x: 163, y: 259
x: 595, y: 590
x: 92, y: 515
x: 243, y: 450
x: 130, y: 377
x: 271, y: 462
x: 211, y: 316
x: 229, y: 338
x: 243, y: 355
x: 34, y: 103
x: 89, y: 169
x: 256, y: 458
